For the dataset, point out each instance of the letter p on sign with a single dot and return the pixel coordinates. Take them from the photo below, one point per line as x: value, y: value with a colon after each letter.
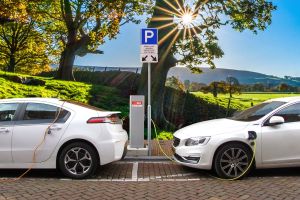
x: 149, y: 36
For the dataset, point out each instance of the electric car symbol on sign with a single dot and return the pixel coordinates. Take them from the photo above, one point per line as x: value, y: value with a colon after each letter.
x: 82, y: 137
x: 226, y: 145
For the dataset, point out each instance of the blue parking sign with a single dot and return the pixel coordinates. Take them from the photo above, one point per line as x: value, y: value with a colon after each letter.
x: 149, y: 36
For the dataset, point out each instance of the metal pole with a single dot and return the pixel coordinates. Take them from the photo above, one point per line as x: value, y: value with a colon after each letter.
x: 149, y: 109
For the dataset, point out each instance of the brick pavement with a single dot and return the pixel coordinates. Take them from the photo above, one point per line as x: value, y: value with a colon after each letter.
x: 151, y: 180
x: 155, y: 180
x: 252, y: 188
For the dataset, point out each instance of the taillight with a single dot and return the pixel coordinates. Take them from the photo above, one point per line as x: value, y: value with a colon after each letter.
x: 95, y: 120
x: 113, y: 119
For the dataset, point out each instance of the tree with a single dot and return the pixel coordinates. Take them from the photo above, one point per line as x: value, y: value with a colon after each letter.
x: 196, y: 43
x: 175, y: 83
x: 196, y: 87
x: 11, y: 10
x: 80, y: 26
x: 187, y: 84
x: 233, y: 85
x: 23, y: 48
x: 258, y: 87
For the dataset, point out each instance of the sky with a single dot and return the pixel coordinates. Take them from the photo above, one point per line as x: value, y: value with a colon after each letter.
x: 276, y: 51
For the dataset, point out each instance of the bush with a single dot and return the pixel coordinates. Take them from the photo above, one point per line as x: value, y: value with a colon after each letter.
x: 108, y: 98
x: 164, y: 135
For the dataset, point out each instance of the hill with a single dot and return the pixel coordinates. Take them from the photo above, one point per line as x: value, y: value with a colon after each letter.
x: 220, y: 74
x: 19, y: 86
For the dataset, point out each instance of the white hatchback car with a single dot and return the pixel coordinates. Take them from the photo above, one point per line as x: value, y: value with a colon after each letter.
x: 226, y: 145
x: 82, y: 137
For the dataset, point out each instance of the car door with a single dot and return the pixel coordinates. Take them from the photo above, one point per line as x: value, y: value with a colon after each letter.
x: 281, y: 143
x: 30, y: 130
x: 8, y: 113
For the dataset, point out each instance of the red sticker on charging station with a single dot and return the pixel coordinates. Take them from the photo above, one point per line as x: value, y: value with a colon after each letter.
x: 137, y: 104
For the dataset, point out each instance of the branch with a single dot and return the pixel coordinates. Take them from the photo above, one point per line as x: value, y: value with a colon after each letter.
x: 78, y: 12
x: 5, y: 38
x: 66, y: 7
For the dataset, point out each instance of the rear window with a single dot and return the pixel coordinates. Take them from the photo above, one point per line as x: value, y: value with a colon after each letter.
x: 40, y: 111
x: 84, y: 105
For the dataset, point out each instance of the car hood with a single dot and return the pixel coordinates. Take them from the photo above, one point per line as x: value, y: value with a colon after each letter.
x: 210, y: 128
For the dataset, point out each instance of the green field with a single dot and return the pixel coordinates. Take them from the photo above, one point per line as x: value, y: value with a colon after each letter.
x: 104, y: 97
x: 242, y: 101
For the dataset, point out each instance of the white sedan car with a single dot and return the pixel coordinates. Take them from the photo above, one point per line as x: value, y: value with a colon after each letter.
x: 226, y: 145
x: 81, y: 138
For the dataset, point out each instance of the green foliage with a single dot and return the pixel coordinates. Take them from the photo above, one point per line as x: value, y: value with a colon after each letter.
x: 174, y: 82
x: 197, y: 44
x: 230, y: 87
x: 23, y: 48
x: 183, y: 108
x: 80, y: 26
x: 13, y: 10
x: 164, y: 135
x: 97, y: 95
x: 242, y: 101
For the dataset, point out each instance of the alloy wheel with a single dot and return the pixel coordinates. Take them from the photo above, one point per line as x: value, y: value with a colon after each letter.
x: 234, y: 162
x: 78, y: 161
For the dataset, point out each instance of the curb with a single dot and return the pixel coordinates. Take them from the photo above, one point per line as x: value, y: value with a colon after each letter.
x: 145, y: 158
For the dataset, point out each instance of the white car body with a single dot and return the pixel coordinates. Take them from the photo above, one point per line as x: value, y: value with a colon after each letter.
x: 19, y: 138
x: 276, y: 146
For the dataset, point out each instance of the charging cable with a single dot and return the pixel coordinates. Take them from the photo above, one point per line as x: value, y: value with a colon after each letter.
x: 37, y: 147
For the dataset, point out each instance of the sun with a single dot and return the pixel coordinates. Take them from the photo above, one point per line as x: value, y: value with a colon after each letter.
x: 187, y: 19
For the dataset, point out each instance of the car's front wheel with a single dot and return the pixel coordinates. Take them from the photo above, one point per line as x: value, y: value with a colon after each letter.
x: 78, y: 160
x: 232, y: 161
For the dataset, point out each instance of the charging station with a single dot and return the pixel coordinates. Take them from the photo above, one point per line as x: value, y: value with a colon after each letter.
x: 149, y: 54
x: 136, y: 124
x: 136, y: 145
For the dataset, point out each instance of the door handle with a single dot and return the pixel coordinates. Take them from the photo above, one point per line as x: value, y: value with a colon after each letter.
x: 4, y: 130
x: 54, y: 128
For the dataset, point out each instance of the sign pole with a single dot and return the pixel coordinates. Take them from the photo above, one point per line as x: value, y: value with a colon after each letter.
x: 149, y: 109
x: 149, y: 54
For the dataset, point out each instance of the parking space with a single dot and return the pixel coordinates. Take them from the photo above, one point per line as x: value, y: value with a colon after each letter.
x: 167, y: 181
x: 148, y: 171
x: 150, y: 180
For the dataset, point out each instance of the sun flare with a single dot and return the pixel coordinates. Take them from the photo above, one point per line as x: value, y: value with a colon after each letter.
x: 187, y: 19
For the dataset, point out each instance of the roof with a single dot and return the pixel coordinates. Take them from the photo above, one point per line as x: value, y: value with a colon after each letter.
x: 34, y: 99
x: 286, y: 99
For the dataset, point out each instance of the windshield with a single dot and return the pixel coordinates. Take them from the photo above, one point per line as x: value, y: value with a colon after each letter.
x: 257, y: 111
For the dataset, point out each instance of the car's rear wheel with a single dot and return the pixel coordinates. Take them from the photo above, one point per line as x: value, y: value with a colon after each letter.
x: 78, y: 160
x: 232, y: 161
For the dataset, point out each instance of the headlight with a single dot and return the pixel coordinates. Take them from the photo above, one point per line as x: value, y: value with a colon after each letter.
x: 197, y: 141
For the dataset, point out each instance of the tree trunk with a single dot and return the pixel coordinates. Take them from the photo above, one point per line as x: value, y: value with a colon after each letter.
x: 159, y: 74
x: 65, y: 70
x: 12, y: 64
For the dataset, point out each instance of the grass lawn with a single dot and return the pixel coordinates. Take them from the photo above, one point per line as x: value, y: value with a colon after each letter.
x: 242, y: 101
x: 104, y: 97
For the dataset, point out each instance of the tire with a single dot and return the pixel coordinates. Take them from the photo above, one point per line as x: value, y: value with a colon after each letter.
x: 232, y: 161
x: 124, y: 152
x: 78, y: 160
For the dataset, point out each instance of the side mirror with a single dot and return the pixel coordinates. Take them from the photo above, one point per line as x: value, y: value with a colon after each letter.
x: 275, y: 120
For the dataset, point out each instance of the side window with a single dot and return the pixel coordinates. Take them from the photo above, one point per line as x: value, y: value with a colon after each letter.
x: 7, y: 111
x: 45, y: 112
x: 291, y: 113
